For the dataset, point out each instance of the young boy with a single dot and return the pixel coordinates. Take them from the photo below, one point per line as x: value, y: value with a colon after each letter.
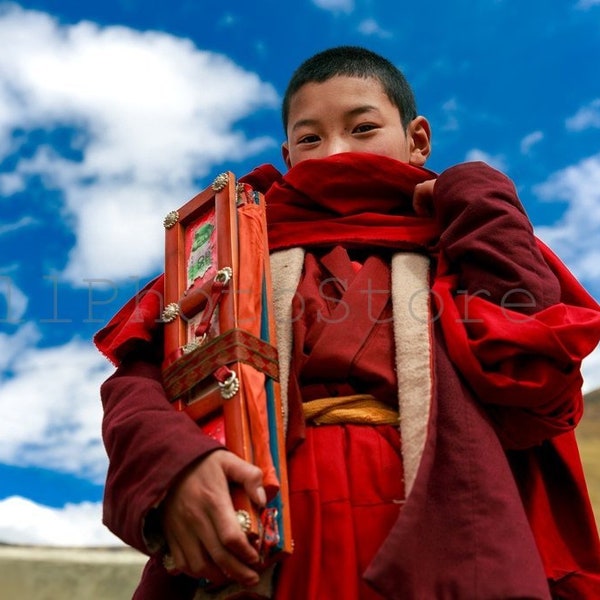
x: 401, y: 297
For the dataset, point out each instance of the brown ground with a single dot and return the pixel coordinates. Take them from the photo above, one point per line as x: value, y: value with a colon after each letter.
x: 588, y: 438
x: 32, y: 573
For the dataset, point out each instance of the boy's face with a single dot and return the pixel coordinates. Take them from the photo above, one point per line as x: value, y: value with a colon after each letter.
x: 351, y: 114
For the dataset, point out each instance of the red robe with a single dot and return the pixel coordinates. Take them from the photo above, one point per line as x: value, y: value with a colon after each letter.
x: 461, y: 533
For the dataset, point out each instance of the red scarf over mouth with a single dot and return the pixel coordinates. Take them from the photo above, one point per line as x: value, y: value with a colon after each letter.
x: 356, y: 200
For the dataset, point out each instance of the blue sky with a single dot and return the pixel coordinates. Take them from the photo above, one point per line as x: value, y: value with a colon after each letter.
x: 113, y: 113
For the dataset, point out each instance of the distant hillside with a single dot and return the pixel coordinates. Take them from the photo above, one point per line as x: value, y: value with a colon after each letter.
x: 588, y: 438
x: 591, y: 405
x: 59, y: 573
x: 592, y: 397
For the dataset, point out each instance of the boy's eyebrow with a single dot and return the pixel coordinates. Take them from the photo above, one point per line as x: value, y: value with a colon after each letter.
x: 359, y: 110
x: 304, y: 123
x: 353, y: 112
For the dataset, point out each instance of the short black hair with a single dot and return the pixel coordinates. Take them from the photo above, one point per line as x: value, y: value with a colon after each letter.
x: 353, y: 61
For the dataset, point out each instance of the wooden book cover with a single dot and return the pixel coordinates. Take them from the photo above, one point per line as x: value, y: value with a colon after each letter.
x: 221, y: 363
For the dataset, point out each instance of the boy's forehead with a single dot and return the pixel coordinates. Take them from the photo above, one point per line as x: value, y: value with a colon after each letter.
x: 342, y: 81
x: 341, y: 95
x: 341, y: 89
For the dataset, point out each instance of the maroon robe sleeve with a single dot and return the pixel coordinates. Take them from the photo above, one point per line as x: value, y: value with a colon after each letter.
x: 149, y: 444
x: 489, y: 240
x: 524, y: 346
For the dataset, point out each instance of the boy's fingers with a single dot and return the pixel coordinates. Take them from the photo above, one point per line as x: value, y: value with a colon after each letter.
x: 249, y: 476
x: 201, y: 525
x: 423, y: 198
x: 228, y: 562
x: 204, y: 553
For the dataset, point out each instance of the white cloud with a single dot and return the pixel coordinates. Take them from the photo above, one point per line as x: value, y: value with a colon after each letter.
x: 50, y: 410
x: 11, y: 183
x: 575, y: 236
x: 497, y: 161
x: 591, y: 372
x: 371, y: 27
x: 585, y: 4
x: 14, y: 302
x: 13, y: 346
x: 450, y: 109
x: 6, y: 228
x: 530, y: 140
x: 586, y: 117
x: 336, y: 6
x: 75, y: 525
x: 151, y: 114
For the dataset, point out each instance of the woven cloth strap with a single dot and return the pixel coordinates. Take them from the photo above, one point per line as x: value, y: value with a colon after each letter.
x: 232, y: 346
x: 362, y: 409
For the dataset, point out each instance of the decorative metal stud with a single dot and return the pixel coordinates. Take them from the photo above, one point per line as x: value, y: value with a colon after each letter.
x: 170, y: 313
x: 171, y: 219
x: 229, y: 388
x: 191, y: 346
x: 224, y: 275
x: 243, y: 517
x: 220, y: 182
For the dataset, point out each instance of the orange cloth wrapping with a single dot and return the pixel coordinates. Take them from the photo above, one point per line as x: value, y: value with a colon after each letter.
x: 252, y: 248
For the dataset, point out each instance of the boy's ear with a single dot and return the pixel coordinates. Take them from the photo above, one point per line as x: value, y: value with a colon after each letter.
x: 285, y: 153
x: 419, y: 136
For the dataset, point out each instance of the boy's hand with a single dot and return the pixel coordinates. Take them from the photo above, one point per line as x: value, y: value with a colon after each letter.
x: 202, y: 531
x: 423, y: 198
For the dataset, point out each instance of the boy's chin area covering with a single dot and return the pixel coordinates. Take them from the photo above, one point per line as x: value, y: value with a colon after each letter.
x: 354, y: 199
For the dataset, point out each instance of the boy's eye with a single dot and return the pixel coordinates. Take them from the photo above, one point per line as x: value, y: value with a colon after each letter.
x: 308, y: 139
x: 364, y: 128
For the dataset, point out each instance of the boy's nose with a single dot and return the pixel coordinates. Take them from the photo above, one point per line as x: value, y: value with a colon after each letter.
x: 337, y: 146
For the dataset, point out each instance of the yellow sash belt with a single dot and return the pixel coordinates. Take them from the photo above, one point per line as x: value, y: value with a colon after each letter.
x: 362, y: 409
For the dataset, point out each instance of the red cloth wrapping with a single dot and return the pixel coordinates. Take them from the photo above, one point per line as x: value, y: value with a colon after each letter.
x: 336, y: 200
x: 137, y: 321
x: 528, y: 362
